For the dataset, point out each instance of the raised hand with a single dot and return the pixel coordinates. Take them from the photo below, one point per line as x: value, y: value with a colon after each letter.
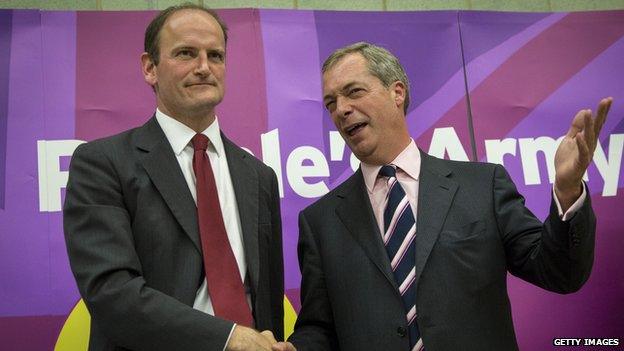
x: 576, y: 151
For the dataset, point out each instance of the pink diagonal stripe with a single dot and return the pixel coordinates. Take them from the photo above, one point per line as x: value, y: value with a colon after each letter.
x: 401, y: 207
x: 411, y: 315
x: 419, y: 345
x: 409, y: 237
x: 411, y: 277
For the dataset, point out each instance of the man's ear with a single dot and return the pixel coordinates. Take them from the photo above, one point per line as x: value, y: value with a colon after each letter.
x: 149, y: 69
x: 398, y: 90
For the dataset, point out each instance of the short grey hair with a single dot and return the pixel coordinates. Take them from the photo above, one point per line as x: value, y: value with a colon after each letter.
x: 381, y: 64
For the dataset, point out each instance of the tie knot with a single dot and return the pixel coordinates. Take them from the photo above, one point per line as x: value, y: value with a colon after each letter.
x: 387, y: 171
x: 200, y: 142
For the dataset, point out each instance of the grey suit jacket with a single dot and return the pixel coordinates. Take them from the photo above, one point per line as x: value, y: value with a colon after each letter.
x: 472, y: 228
x: 132, y: 238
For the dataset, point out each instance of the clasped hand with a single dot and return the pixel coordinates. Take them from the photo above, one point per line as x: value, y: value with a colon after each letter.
x: 247, y: 339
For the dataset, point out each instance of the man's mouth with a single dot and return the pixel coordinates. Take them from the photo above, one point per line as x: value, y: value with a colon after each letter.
x: 355, y: 128
x: 199, y: 84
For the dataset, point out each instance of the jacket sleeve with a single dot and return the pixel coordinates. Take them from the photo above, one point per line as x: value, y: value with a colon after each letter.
x: 556, y: 255
x: 100, y: 243
x: 276, y: 260
x: 315, y: 328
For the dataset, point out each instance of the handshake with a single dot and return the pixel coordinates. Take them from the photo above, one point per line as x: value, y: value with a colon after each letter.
x: 248, y: 339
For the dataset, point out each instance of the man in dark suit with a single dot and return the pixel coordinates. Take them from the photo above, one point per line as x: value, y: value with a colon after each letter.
x: 413, y: 251
x: 173, y: 232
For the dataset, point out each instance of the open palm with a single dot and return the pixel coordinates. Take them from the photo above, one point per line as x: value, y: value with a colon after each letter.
x: 577, y: 149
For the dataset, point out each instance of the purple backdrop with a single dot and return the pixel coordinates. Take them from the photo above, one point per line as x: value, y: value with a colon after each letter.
x: 76, y: 76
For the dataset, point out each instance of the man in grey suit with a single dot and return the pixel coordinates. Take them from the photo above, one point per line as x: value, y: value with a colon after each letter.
x: 173, y: 232
x: 412, y: 251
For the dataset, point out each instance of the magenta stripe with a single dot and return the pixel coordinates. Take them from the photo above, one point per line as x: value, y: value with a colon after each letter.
x: 514, y: 82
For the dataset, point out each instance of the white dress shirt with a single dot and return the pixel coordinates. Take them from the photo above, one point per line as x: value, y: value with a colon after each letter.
x: 179, y: 136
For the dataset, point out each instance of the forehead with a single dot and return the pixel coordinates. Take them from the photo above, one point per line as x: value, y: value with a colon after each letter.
x: 191, y: 22
x: 352, y: 68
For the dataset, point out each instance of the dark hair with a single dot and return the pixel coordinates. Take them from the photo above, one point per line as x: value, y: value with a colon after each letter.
x: 381, y: 64
x: 152, y: 32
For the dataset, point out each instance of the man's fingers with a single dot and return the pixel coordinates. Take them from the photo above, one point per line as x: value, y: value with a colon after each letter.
x: 578, y: 123
x: 584, y: 151
x: 244, y: 338
x: 588, y: 130
x: 283, y: 346
x: 269, y: 336
x: 601, y: 116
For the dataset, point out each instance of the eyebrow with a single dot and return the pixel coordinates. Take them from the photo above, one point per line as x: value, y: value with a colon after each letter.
x: 191, y: 47
x: 182, y: 47
x: 219, y: 51
x: 344, y: 88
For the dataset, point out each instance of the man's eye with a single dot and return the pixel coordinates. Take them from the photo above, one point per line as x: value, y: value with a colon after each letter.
x: 355, y: 91
x: 216, y: 56
x: 184, y: 53
x: 330, y: 105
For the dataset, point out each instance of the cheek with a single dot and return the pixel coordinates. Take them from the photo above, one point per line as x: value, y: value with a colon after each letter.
x: 218, y: 72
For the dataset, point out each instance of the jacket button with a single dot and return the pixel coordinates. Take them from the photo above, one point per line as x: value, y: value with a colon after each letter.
x: 401, y: 331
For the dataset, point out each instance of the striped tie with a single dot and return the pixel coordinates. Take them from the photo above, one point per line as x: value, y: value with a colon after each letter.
x: 399, y: 235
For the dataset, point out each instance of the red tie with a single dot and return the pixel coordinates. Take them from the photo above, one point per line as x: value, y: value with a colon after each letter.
x: 225, y: 286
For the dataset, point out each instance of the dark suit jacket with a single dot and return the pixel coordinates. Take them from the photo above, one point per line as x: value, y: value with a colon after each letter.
x: 472, y: 227
x: 132, y: 238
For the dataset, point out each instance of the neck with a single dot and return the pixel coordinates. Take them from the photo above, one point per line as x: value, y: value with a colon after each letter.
x: 197, y: 121
x: 392, y: 152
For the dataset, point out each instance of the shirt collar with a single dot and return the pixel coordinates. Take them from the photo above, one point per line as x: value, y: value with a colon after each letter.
x: 408, y: 161
x: 179, y: 135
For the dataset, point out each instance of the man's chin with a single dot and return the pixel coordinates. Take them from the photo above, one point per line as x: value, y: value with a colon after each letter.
x: 205, y: 102
x: 362, y: 155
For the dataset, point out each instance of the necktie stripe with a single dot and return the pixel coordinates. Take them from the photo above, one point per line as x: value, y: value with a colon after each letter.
x: 418, y: 346
x: 411, y: 277
x: 411, y: 315
x: 398, y: 237
x: 403, y: 205
x: 407, y: 241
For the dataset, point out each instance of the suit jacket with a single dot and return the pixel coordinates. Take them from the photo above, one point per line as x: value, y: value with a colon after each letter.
x: 132, y: 237
x: 472, y: 227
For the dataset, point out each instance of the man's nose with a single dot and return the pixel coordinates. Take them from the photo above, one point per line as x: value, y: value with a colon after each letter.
x: 343, y: 107
x: 202, y: 68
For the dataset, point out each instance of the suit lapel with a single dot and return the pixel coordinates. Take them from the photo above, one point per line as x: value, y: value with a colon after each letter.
x: 163, y: 169
x: 435, y: 195
x: 245, y: 183
x: 356, y: 214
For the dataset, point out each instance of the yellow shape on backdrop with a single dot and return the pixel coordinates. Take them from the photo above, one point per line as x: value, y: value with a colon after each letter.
x: 290, y: 316
x: 74, y: 335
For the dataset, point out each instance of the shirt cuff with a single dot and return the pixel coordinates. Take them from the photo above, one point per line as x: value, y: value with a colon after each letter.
x: 575, y: 206
x: 229, y: 336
